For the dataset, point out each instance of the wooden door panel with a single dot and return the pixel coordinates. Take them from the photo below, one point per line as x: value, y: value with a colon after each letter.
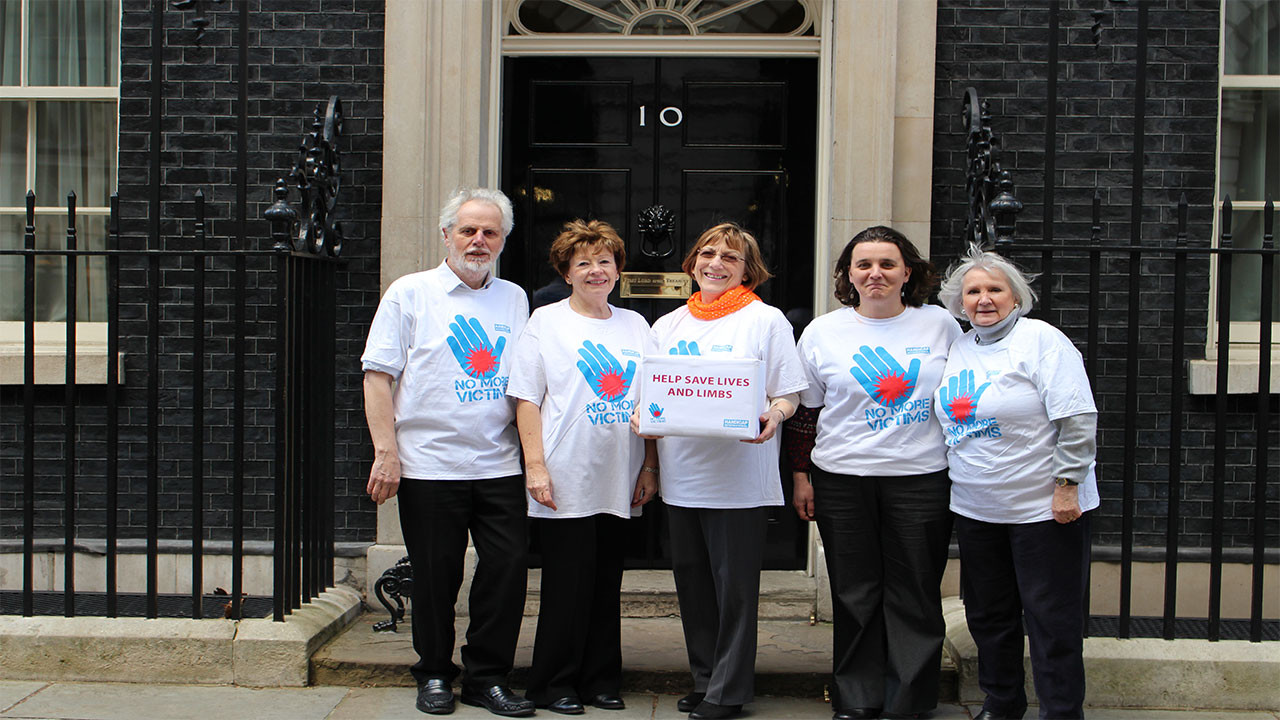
x: 721, y: 114
x: 580, y: 113
x: 710, y: 139
x: 555, y: 196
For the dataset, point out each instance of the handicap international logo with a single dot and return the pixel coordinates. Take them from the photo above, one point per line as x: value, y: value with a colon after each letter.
x: 960, y: 398
x: 603, y: 372
x: 471, y: 347
x: 655, y: 412
x: 736, y: 422
x: 882, y: 376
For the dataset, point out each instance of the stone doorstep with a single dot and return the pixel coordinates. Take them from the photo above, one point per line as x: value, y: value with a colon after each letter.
x: 793, y: 657
x: 1144, y: 672
x: 254, y: 652
x: 784, y: 595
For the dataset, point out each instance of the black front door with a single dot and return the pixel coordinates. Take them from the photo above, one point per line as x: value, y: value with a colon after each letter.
x: 708, y: 140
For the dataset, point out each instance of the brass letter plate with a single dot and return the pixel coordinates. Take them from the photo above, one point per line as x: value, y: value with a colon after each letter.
x: 674, y: 286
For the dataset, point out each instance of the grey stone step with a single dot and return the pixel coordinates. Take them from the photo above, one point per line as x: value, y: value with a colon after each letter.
x: 784, y: 595
x: 793, y: 657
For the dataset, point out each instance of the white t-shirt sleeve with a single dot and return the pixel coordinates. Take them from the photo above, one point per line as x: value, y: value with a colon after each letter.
x: 784, y: 373
x: 528, y: 380
x: 815, y: 395
x: 1061, y: 380
x: 385, y: 349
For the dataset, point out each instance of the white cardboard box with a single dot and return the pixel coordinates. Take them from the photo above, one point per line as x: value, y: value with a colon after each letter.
x: 700, y: 396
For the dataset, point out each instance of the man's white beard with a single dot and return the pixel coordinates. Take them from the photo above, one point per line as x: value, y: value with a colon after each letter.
x: 463, y: 262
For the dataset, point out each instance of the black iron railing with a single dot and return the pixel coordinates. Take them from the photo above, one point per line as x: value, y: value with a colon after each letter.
x: 1232, y: 430
x: 291, y: 302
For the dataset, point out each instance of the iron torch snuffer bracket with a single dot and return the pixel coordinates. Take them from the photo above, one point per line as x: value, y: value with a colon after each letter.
x: 317, y: 174
x: 992, y: 207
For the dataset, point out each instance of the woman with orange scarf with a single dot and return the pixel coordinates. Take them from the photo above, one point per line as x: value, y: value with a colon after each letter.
x: 718, y: 492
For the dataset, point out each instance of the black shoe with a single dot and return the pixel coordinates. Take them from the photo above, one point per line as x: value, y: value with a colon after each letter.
x: 690, y: 701
x: 606, y: 701
x: 498, y: 700
x: 435, y: 697
x: 711, y: 711
x: 567, y: 705
x: 856, y: 714
x: 989, y: 715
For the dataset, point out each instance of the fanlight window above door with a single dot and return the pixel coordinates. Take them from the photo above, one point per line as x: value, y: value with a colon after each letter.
x: 663, y: 17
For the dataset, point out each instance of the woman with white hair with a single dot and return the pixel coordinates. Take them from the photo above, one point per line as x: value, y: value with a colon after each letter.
x: 1020, y: 426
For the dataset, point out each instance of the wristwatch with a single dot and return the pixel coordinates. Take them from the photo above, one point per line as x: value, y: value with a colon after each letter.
x: 1065, y: 482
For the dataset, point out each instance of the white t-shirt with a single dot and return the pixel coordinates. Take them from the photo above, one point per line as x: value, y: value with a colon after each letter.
x: 996, y: 403
x: 874, y: 379
x: 720, y: 473
x: 580, y: 372
x: 446, y: 345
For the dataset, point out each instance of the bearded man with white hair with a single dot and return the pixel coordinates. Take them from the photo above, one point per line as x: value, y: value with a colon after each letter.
x: 444, y: 441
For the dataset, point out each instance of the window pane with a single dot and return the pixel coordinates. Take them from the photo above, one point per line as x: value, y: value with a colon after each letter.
x: 553, y: 16
x: 1246, y: 270
x: 13, y: 152
x: 10, y: 47
x: 675, y: 17
x: 1251, y: 42
x: 10, y: 268
x: 1250, y: 160
x: 51, y: 288
x: 74, y: 42
x: 766, y: 16
x: 75, y: 150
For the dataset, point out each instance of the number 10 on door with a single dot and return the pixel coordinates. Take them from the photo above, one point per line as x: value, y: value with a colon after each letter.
x: 670, y: 116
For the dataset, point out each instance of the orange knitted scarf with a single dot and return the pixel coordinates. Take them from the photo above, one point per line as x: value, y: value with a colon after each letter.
x: 730, y: 301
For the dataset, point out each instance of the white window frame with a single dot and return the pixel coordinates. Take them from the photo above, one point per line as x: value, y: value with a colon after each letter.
x: 50, y: 350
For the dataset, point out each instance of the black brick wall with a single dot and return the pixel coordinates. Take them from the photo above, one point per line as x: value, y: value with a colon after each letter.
x: 1001, y: 48
x: 300, y: 53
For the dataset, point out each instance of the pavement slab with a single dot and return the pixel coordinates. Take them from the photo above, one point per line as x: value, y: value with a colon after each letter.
x: 397, y: 704
x: 13, y: 692
x: 118, y: 701
x: 115, y: 701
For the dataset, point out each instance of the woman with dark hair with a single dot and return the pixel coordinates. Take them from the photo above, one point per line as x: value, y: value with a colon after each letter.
x: 585, y: 471
x: 718, y: 492
x: 1021, y: 425
x: 875, y: 476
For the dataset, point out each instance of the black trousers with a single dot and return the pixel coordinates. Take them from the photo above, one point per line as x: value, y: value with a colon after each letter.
x: 578, y: 648
x: 885, y: 540
x: 1037, y: 571
x: 435, y: 517
x: 716, y: 557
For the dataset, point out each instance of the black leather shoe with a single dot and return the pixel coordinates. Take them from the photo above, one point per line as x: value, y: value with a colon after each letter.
x: 498, y: 700
x: 711, y: 711
x: 989, y: 715
x: 435, y: 697
x: 690, y: 701
x: 605, y: 701
x: 856, y: 714
x: 567, y: 705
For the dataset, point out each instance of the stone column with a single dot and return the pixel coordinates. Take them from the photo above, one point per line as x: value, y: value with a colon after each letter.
x: 881, y: 57
x: 436, y: 137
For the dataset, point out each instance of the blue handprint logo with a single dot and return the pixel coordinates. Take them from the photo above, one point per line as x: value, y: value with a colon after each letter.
x: 655, y: 410
x: 603, y: 371
x: 883, y: 377
x: 470, y: 345
x: 684, y: 348
x: 959, y: 398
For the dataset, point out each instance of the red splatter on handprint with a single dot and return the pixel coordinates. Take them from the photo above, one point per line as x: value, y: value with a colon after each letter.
x: 480, y: 361
x: 961, y: 409
x: 611, y: 386
x: 891, y: 388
